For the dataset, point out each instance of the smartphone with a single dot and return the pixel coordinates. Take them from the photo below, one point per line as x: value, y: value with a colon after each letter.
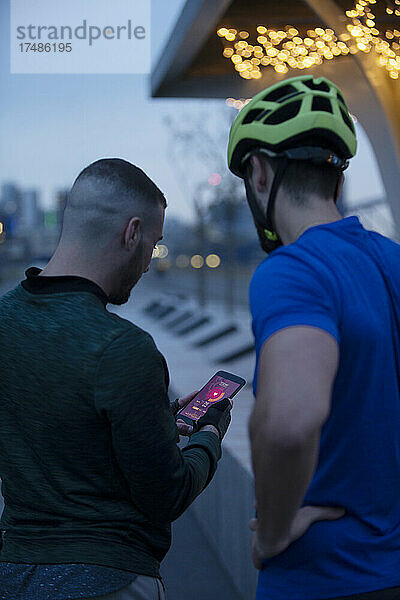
x: 221, y: 385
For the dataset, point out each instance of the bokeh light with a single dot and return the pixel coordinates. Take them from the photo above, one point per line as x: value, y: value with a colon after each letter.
x: 160, y: 251
x: 182, y: 261
x: 163, y: 265
x: 289, y: 49
x: 197, y: 261
x: 214, y: 179
x: 213, y: 261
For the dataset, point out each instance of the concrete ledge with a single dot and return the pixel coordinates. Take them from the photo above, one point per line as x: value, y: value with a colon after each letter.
x: 223, y: 512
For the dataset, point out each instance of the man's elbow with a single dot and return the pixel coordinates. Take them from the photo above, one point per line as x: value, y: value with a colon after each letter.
x: 283, y: 434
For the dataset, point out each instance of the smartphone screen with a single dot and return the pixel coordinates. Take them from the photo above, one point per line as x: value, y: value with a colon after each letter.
x: 216, y: 389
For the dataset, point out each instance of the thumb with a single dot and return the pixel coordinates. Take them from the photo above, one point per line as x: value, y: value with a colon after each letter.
x: 329, y: 512
x: 336, y: 513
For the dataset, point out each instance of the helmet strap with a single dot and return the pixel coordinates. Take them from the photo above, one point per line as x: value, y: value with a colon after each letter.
x: 336, y: 196
x: 269, y: 239
x: 274, y: 190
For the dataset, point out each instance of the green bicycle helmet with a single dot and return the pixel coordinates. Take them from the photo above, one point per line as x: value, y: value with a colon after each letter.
x: 300, y: 118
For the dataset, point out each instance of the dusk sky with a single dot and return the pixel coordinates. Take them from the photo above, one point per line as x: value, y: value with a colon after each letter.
x: 51, y: 126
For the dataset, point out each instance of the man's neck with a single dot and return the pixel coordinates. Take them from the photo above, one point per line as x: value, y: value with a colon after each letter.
x: 54, y: 269
x: 313, y: 224
x: 292, y: 221
x: 67, y: 264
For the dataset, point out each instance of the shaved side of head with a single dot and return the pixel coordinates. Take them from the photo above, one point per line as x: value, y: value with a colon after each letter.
x: 103, y: 198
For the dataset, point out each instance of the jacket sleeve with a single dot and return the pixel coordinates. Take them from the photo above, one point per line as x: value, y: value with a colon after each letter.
x: 131, y: 393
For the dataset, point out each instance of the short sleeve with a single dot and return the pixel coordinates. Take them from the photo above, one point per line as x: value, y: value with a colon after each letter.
x: 287, y: 290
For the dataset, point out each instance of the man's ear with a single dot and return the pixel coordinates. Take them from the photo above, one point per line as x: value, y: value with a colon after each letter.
x: 339, y: 187
x: 258, y: 173
x: 133, y: 232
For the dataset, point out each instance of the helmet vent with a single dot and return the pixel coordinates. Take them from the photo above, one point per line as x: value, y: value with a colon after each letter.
x: 281, y: 94
x: 252, y: 115
x: 340, y: 97
x: 321, y: 103
x: 319, y: 87
x: 284, y: 113
x: 347, y: 120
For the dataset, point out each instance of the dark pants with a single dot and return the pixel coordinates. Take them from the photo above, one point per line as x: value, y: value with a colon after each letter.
x: 392, y: 593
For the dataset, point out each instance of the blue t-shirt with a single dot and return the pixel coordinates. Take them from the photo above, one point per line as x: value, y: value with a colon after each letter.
x: 345, y: 280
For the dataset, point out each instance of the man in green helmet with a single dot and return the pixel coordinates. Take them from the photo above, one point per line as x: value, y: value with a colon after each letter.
x: 326, y: 323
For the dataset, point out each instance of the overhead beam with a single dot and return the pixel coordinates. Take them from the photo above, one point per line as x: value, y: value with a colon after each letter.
x: 197, y: 18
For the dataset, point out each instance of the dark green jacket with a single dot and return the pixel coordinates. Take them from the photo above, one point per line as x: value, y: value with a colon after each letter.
x: 90, y: 467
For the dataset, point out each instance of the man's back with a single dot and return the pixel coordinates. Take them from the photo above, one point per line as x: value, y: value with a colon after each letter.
x: 332, y: 278
x: 87, y: 438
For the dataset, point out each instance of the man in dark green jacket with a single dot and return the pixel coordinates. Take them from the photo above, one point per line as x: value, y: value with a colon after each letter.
x: 92, y: 476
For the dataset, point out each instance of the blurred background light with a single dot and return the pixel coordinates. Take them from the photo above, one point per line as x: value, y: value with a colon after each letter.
x: 289, y: 49
x: 213, y: 261
x: 215, y: 179
x: 182, y: 261
x: 197, y: 261
x: 160, y: 251
x: 163, y: 264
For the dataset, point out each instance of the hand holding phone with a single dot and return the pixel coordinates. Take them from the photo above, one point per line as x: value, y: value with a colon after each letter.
x: 218, y: 415
x: 178, y: 404
x: 213, y: 397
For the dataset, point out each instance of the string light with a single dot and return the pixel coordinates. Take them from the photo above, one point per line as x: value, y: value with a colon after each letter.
x: 287, y: 49
x: 238, y: 104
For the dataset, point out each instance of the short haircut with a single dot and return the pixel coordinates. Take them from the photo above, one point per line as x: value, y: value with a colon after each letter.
x: 104, y: 196
x: 303, y: 178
